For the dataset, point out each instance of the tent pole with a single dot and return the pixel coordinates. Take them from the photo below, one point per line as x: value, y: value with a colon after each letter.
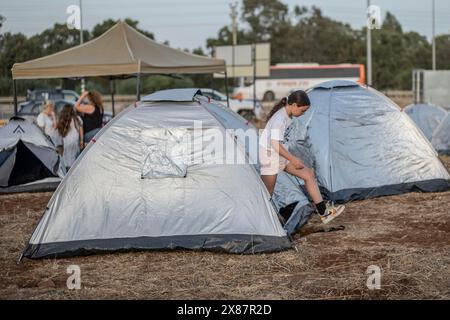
x: 226, y: 90
x: 112, y: 89
x: 15, y: 97
x: 138, y: 87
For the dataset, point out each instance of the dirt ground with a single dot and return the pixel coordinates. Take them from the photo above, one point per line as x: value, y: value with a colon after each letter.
x: 407, y: 236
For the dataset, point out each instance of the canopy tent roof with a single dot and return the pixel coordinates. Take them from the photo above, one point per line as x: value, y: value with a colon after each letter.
x: 120, y: 50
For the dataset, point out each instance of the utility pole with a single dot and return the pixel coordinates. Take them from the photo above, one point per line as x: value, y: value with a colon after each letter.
x: 81, y: 42
x: 233, y: 16
x: 369, y: 47
x: 433, y: 40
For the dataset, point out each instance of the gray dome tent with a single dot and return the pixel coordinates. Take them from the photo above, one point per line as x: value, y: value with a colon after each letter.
x: 441, y: 136
x: 361, y: 145
x: 135, y: 187
x: 28, y: 158
x: 426, y: 116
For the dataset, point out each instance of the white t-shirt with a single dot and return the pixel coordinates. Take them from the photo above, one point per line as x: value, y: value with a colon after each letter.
x: 275, y: 129
x: 45, y: 122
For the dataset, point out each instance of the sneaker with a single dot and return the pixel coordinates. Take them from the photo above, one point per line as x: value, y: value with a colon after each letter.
x: 331, y: 212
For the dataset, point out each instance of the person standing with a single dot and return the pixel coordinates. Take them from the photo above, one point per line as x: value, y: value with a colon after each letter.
x: 92, y: 113
x: 46, y: 120
x: 70, y: 128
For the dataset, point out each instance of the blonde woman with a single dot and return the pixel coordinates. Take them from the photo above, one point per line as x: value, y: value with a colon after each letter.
x: 46, y: 120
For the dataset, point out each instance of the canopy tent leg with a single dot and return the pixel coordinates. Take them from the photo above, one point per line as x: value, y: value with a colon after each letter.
x: 15, y: 97
x: 138, y: 87
x: 226, y: 90
x: 112, y: 89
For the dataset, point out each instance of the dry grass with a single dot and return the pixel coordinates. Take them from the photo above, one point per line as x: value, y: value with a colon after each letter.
x: 406, y: 235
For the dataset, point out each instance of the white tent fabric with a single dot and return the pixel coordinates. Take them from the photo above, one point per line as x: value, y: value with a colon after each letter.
x: 426, y: 116
x: 137, y: 186
x: 28, y: 158
x: 441, y: 136
x: 363, y: 146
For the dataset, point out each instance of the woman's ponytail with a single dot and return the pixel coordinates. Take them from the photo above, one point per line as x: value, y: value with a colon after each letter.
x: 278, y: 106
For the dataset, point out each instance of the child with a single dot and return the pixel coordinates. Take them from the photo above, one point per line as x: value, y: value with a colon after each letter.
x: 71, y: 130
x: 275, y: 157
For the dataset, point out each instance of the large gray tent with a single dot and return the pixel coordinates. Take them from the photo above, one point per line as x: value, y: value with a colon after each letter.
x: 136, y: 187
x: 361, y: 145
x: 441, y: 136
x: 426, y: 116
x: 28, y: 158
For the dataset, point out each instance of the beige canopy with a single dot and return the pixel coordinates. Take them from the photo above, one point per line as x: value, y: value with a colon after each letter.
x: 119, y: 51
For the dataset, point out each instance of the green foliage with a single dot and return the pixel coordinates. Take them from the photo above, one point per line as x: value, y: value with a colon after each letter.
x: 306, y: 35
x: 303, y: 35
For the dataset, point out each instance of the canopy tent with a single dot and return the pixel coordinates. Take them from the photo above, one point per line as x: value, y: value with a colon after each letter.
x: 120, y: 51
x: 426, y: 116
x: 137, y: 186
x: 361, y: 145
x: 28, y: 158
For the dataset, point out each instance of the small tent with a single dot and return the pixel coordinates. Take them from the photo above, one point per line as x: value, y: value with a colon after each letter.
x: 426, y: 116
x: 441, y: 136
x: 145, y: 182
x: 361, y: 145
x: 28, y: 158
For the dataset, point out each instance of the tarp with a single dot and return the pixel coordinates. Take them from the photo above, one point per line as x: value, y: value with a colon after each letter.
x: 363, y: 146
x: 136, y: 187
x: 426, y: 116
x: 119, y: 51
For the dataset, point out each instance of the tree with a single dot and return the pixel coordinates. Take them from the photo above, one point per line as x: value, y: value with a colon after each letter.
x: 104, y: 26
x: 58, y: 38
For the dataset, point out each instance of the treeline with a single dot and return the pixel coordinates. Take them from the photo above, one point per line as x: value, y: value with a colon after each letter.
x: 306, y: 35
x: 301, y: 35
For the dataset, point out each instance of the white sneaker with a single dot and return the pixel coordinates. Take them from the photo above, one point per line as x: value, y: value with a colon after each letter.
x: 331, y: 212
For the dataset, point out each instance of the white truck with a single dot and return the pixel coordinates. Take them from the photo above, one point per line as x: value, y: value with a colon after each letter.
x: 285, y: 78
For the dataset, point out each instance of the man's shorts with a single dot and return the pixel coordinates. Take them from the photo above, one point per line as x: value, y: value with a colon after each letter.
x: 271, y: 162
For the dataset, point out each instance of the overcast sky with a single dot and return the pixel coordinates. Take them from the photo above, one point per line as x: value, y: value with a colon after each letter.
x: 188, y: 23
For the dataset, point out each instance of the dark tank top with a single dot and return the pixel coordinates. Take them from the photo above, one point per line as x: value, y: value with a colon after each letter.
x: 92, y: 121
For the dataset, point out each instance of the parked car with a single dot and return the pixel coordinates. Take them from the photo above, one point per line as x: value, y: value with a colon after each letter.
x: 36, y: 98
x: 243, y: 107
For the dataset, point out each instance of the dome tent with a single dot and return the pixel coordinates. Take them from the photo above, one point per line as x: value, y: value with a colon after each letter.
x: 28, y: 158
x: 363, y: 146
x: 426, y: 116
x: 441, y: 136
x: 128, y: 192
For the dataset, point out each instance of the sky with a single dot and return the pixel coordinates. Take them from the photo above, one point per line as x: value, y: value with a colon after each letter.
x: 188, y: 23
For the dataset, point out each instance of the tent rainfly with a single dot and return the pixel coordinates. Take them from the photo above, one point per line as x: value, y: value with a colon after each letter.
x: 139, y: 187
x: 28, y: 159
x: 121, y: 50
x: 362, y: 146
x: 426, y: 116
